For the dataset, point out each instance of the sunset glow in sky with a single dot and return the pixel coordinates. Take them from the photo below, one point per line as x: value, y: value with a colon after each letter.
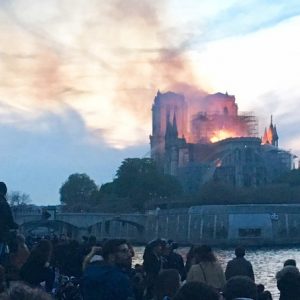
x: 78, y: 77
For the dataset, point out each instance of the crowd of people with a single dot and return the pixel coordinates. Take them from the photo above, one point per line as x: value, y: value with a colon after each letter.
x: 52, y: 267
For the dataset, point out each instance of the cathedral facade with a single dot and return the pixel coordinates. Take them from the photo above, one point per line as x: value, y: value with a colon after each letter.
x: 208, y: 139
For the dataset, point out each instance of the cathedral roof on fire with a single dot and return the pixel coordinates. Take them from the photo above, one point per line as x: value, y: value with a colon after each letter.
x: 210, y: 152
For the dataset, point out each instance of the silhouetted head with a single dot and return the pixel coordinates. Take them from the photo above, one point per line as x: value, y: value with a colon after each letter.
x: 156, y: 246
x: 204, y: 253
x: 266, y: 295
x: 240, y: 251
x: 289, y: 262
x: 3, y: 189
x: 260, y: 288
x: 240, y: 287
x: 172, y: 245
x: 196, y: 291
x: 42, y: 252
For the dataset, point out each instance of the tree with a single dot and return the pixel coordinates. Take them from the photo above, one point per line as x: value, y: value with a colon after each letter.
x: 16, y: 198
x: 107, y: 188
x: 217, y: 193
x: 78, y: 189
x: 139, y: 180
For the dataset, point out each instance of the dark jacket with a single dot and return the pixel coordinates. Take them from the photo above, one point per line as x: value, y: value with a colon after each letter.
x: 289, y: 286
x: 34, y: 272
x: 239, y: 266
x: 6, y: 220
x: 175, y: 261
x: 106, y: 282
x: 152, y: 264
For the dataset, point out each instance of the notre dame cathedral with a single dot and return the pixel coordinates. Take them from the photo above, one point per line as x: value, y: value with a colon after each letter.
x: 208, y: 139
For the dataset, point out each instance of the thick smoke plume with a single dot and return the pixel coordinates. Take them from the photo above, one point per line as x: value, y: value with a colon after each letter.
x: 105, y: 59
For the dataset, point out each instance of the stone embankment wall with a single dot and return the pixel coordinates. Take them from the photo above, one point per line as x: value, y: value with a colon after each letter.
x: 229, y: 225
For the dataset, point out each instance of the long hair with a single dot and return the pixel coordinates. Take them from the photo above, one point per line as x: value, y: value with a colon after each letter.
x: 204, y: 253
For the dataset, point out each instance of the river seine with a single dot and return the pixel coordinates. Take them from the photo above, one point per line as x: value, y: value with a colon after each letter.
x: 266, y: 262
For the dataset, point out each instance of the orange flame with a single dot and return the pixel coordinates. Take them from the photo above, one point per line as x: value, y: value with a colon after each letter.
x: 222, y: 135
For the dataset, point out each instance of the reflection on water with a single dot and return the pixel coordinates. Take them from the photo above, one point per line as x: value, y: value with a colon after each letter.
x: 266, y: 262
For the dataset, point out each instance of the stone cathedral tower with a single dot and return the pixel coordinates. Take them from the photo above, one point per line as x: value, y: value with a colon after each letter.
x: 166, y: 107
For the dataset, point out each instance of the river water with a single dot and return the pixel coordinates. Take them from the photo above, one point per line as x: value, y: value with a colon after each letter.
x: 266, y: 262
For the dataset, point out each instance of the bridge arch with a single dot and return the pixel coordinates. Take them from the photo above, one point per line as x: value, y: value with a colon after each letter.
x: 116, y: 227
x: 44, y: 227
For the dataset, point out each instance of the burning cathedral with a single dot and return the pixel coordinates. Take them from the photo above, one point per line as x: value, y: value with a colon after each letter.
x: 208, y: 139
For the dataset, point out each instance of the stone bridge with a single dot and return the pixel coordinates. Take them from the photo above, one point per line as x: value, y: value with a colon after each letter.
x: 102, y: 225
x: 262, y: 224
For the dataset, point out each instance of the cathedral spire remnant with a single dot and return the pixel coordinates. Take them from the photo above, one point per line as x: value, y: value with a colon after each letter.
x: 270, y: 134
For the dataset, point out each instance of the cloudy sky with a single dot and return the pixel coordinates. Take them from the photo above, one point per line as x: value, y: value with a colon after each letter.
x: 78, y: 77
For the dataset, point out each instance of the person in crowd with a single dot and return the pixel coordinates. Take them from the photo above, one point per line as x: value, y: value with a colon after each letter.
x: 19, y: 291
x: 6, y: 222
x: 173, y: 260
x: 240, y: 287
x: 262, y: 294
x: 207, y: 269
x: 288, y: 283
x: 152, y: 264
x: 288, y: 266
x: 107, y: 280
x: 265, y: 295
x: 18, y: 255
x: 190, y: 259
x: 60, y: 253
x: 37, y: 267
x: 260, y: 288
x: 239, y: 265
x: 138, y: 281
x: 196, y: 291
x: 2, y: 279
x: 166, y: 285
x: 67, y: 258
